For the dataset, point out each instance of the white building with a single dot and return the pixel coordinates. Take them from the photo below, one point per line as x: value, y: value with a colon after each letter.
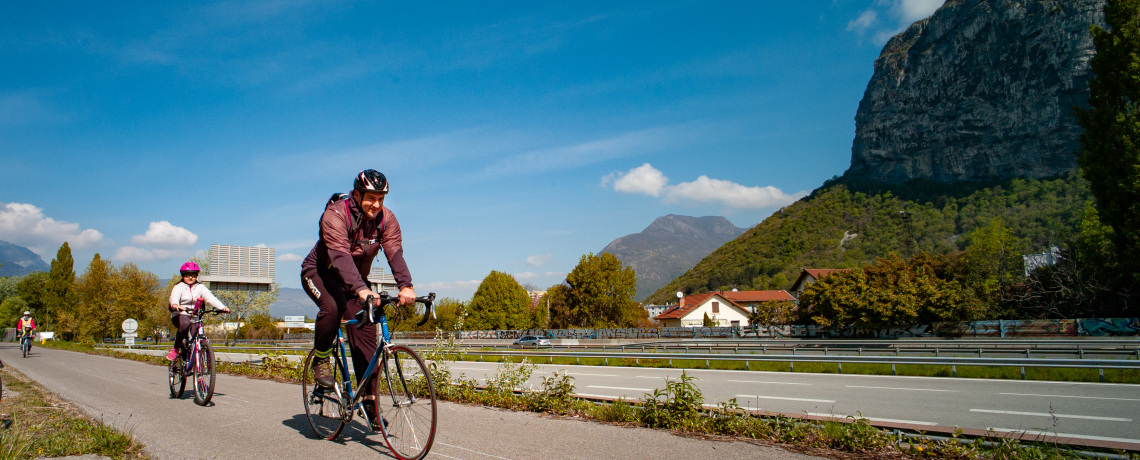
x: 692, y: 310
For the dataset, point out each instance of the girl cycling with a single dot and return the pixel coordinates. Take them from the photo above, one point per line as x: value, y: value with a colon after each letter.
x: 183, y: 299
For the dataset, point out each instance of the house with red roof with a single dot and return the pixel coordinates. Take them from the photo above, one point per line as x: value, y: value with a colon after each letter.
x: 811, y: 275
x: 691, y: 311
x: 751, y: 300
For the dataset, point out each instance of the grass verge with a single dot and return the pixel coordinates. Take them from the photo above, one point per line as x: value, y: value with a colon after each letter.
x: 36, y: 423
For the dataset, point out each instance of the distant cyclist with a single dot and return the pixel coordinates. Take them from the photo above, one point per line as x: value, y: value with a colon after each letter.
x: 353, y: 229
x: 25, y: 326
x: 183, y: 299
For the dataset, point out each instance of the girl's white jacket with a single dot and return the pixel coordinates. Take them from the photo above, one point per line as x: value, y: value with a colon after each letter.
x: 184, y: 295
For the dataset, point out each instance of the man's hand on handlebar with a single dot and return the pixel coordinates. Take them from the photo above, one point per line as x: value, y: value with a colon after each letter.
x: 407, y: 296
x: 365, y: 293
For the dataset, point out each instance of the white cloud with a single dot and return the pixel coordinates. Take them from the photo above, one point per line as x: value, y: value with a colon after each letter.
x: 26, y: 225
x: 289, y: 258
x: 909, y: 11
x: 647, y: 180
x: 536, y: 261
x: 729, y: 193
x: 642, y: 179
x: 865, y: 20
x: 164, y: 234
x: 531, y: 275
x: 260, y: 245
x: 902, y: 13
x: 133, y: 254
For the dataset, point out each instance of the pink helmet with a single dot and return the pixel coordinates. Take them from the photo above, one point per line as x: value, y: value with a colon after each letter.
x: 189, y: 267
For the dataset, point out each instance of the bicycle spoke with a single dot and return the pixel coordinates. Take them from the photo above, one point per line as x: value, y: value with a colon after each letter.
x: 322, y: 405
x: 411, y: 429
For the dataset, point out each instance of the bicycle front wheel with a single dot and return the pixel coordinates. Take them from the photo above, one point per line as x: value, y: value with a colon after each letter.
x: 405, y: 395
x: 176, y: 377
x: 204, y: 374
x: 323, y: 404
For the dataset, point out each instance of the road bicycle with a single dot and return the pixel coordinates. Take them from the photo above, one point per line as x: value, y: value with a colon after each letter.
x: 401, y: 382
x: 196, y: 360
x: 26, y: 343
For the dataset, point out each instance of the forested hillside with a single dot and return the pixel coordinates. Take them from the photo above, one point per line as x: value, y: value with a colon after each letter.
x: 846, y: 224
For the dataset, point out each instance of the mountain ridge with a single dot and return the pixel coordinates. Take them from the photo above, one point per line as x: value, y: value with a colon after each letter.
x: 19, y: 261
x: 669, y: 246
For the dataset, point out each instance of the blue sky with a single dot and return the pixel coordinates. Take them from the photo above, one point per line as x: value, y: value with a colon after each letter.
x: 517, y: 136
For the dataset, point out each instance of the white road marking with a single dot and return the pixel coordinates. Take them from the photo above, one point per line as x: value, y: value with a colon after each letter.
x: 785, y: 399
x: 231, y: 397
x: 619, y: 388
x: 1063, y: 396
x: 666, y: 377
x: 595, y: 375
x: 770, y: 383
x: 873, y: 419
x: 471, y: 368
x: 469, y: 450
x: 904, y: 389
x: 1063, y: 435
x: 1042, y: 414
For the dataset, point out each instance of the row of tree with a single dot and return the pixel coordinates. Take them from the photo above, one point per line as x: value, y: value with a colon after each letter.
x: 597, y: 293
x: 93, y: 305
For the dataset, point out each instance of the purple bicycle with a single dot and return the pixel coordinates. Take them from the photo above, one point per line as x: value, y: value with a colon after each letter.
x: 195, y: 360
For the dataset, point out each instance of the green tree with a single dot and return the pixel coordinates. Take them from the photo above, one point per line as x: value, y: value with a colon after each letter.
x: 772, y: 313
x: 891, y: 292
x: 33, y: 289
x: 11, y: 309
x: 556, y: 297
x: 8, y: 286
x: 1110, y: 144
x: 61, y: 301
x: 991, y: 261
x: 600, y: 293
x: 135, y: 293
x: 499, y: 303
x: 708, y: 322
x: 95, y: 292
x: 539, y: 316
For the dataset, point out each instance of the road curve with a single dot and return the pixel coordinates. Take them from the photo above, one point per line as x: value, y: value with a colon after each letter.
x: 262, y: 419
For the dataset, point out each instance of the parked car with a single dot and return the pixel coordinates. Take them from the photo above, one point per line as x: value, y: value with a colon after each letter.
x: 532, y: 341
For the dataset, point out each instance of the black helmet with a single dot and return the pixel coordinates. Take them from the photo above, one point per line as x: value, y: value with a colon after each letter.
x: 370, y: 180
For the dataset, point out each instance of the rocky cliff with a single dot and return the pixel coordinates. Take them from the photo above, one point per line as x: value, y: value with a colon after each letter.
x: 669, y: 247
x: 982, y: 90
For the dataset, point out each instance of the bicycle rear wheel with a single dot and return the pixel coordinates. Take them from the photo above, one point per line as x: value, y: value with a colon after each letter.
x: 204, y: 375
x: 406, y: 395
x: 176, y: 377
x: 323, y: 404
x: 24, y: 347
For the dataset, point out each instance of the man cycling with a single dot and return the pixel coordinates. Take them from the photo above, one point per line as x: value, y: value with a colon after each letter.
x: 24, y: 327
x: 353, y: 229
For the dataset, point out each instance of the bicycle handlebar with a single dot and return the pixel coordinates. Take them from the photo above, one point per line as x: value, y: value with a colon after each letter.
x: 385, y: 299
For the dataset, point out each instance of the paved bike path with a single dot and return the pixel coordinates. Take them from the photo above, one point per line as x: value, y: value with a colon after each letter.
x: 262, y: 419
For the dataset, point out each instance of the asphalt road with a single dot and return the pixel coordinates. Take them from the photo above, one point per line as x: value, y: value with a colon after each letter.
x: 1108, y: 412
x: 262, y: 419
x: 1083, y: 410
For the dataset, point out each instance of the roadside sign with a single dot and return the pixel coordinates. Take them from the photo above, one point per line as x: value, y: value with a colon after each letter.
x: 294, y: 324
x: 130, y: 325
x: 129, y: 335
x: 130, y: 341
x: 294, y: 319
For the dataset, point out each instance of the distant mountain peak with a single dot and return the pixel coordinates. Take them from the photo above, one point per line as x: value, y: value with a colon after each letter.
x: 670, y: 246
x: 19, y: 261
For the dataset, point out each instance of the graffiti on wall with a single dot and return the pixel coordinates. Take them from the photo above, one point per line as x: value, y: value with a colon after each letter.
x: 1094, y: 327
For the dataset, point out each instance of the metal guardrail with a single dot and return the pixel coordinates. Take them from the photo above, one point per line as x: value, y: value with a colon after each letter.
x: 931, y: 361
